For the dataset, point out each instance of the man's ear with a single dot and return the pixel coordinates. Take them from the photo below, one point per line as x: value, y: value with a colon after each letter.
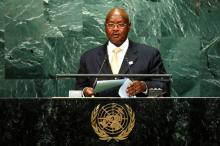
x: 129, y: 24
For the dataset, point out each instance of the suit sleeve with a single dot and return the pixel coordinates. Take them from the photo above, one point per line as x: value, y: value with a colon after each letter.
x: 82, y: 82
x: 156, y: 64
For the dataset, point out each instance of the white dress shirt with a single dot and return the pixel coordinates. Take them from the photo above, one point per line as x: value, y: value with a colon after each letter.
x: 121, y: 55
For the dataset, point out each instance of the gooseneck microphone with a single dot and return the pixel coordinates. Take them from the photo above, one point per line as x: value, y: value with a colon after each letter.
x: 103, y: 62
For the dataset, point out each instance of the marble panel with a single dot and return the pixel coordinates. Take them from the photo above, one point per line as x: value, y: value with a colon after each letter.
x: 179, y: 18
x: 41, y: 38
x: 63, y: 16
x: 182, y: 60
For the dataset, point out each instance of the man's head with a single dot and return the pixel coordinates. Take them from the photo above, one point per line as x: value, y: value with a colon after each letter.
x: 117, y: 26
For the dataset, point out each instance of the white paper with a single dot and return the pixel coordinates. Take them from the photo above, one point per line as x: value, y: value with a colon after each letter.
x: 108, y: 84
x: 76, y: 93
x: 122, y: 91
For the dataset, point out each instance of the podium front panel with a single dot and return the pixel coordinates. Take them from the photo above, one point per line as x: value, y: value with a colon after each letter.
x: 98, y: 122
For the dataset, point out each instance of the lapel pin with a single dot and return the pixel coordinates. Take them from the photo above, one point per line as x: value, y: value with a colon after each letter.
x: 130, y: 62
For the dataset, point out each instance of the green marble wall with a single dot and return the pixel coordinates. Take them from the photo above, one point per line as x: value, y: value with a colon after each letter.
x: 39, y: 38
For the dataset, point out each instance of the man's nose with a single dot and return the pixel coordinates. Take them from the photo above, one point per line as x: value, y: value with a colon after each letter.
x: 115, y: 28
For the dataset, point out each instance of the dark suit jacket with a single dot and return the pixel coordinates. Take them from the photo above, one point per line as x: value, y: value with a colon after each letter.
x: 146, y: 60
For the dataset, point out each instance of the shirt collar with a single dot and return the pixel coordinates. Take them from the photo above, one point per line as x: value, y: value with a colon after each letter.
x: 123, y: 46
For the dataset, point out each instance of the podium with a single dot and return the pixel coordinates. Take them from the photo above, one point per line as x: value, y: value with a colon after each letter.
x: 110, y: 121
x: 67, y: 121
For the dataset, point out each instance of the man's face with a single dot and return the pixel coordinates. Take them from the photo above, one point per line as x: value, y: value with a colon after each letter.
x: 117, y: 29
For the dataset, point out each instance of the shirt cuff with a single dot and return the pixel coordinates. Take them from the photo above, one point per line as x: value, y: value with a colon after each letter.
x: 146, y: 91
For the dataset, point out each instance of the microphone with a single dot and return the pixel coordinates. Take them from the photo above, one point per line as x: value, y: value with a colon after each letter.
x: 129, y: 68
x: 94, y: 83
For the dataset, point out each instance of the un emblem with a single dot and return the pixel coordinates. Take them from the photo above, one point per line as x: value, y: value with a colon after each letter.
x: 112, y: 121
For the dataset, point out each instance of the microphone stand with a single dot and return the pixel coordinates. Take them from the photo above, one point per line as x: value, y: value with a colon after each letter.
x: 95, y: 81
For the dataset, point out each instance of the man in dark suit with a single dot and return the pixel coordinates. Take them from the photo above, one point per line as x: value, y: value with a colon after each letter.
x: 120, y: 56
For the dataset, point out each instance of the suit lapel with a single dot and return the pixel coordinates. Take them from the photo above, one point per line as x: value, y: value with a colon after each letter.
x: 129, y: 59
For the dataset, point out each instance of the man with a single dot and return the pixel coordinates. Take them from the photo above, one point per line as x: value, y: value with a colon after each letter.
x: 120, y: 56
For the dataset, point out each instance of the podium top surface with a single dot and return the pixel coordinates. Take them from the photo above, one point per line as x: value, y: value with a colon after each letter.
x: 63, y: 76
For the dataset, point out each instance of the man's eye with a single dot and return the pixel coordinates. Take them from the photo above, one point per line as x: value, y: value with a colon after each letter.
x: 111, y: 25
x: 121, y: 25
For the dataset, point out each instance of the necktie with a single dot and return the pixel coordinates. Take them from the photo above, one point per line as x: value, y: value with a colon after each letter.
x: 115, y: 61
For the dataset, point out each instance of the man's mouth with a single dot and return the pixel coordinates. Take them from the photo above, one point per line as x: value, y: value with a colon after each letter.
x: 115, y: 35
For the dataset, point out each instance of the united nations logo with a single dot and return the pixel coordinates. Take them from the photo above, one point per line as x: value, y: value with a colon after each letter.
x: 112, y: 121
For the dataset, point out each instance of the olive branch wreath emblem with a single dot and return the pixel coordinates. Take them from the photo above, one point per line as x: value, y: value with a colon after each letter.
x: 103, y: 135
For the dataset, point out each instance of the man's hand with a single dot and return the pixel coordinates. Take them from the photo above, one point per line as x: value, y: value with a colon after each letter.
x: 136, y: 87
x: 88, y: 92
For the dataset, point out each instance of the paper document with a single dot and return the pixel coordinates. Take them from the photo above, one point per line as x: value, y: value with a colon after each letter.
x: 122, y: 91
x: 108, y: 84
